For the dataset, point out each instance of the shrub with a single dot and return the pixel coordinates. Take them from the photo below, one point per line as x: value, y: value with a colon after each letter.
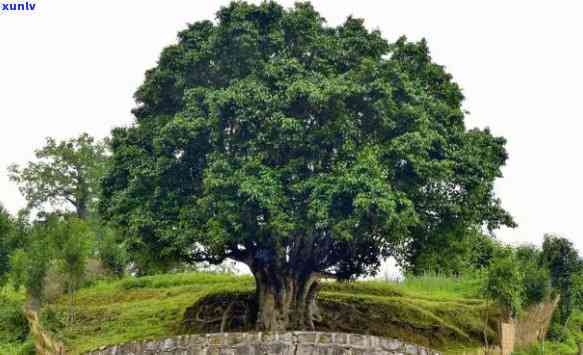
x: 13, y: 323
x: 50, y: 320
x: 27, y: 348
x: 537, y: 279
x: 54, y: 284
x: 18, y: 261
x: 37, y: 262
x: 561, y: 257
x: 505, y: 285
x: 537, y: 285
x: 112, y: 254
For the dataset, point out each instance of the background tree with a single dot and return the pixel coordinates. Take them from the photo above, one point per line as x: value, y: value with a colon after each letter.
x: 505, y: 285
x: 30, y: 265
x: 111, y: 251
x: 6, y: 231
x: 70, y: 243
x: 537, y: 280
x: 66, y: 173
x: 301, y: 150
x: 18, y: 263
x: 452, y: 252
x: 565, y: 266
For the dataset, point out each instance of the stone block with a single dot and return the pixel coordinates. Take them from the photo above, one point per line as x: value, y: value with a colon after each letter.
x: 215, y: 339
x: 391, y: 344
x: 410, y: 349
x: 168, y: 345
x: 233, y: 339
x: 340, y: 338
x: 325, y: 338
x: 306, y: 337
x: 357, y: 340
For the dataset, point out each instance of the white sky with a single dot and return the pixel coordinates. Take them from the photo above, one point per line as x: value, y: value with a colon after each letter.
x: 73, y: 66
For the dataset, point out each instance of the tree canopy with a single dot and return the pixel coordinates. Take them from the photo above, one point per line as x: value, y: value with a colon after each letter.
x: 300, y: 149
x: 66, y: 173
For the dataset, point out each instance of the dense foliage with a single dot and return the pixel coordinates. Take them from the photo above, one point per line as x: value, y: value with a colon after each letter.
x: 459, y: 251
x: 14, y: 328
x: 6, y: 230
x: 505, y: 285
x: 301, y: 150
x: 566, y: 271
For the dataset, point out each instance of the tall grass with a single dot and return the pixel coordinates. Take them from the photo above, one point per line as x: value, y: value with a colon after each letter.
x: 442, y: 286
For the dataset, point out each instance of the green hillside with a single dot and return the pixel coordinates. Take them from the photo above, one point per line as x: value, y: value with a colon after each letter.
x: 444, y: 315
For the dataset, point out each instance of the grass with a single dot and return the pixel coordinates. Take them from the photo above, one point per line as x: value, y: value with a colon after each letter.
x: 439, y: 286
x: 134, y: 308
x: 420, y: 310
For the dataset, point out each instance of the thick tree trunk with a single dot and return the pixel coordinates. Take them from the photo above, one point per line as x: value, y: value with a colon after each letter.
x: 286, y: 302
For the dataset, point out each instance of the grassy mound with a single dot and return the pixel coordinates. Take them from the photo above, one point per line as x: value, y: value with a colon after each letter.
x: 446, y: 318
x: 365, y: 307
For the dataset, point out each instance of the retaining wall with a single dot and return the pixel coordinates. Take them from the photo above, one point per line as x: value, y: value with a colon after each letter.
x: 291, y: 343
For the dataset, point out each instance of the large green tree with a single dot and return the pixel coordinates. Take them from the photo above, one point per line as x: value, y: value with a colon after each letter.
x: 302, y: 150
x: 66, y: 173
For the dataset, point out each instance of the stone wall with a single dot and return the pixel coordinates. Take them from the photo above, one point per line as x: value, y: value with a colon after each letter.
x: 291, y: 343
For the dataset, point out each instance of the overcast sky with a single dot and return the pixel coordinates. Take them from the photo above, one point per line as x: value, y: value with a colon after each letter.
x: 72, y: 66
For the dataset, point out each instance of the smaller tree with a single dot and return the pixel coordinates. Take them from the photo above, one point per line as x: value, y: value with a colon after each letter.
x: 565, y: 266
x: 18, y: 265
x: 6, y: 227
x: 537, y: 282
x: 111, y: 251
x: 36, y: 266
x: 505, y: 285
x: 66, y: 173
x: 70, y: 240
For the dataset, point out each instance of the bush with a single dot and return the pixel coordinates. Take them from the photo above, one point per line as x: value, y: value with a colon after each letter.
x: 537, y: 278
x: 537, y: 285
x: 13, y: 323
x: 55, y: 284
x: 95, y: 272
x: 37, y: 263
x: 18, y: 261
x: 505, y: 285
x: 565, y: 266
x: 50, y: 320
x: 112, y: 253
x: 27, y: 348
x: 558, y: 332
